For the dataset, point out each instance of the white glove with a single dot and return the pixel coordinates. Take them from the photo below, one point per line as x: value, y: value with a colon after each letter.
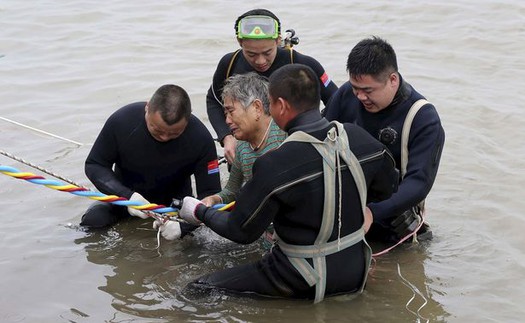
x: 139, y: 198
x: 187, y: 212
x: 170, y: 230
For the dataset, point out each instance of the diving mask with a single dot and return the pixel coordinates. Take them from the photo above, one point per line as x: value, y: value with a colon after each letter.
x: 257, y: 27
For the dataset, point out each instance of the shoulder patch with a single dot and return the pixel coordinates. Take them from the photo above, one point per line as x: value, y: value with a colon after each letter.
x: 213, y: 167
x: 325, y: 79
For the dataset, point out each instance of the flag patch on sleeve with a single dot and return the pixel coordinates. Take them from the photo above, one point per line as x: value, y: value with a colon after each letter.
x: 213, y: 167
x: 325, y: 79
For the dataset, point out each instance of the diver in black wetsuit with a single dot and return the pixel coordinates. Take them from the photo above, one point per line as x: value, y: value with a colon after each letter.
x: 258, y: 32
x: 378, y: 99
x: 147, y: 152
x: 317, y: 204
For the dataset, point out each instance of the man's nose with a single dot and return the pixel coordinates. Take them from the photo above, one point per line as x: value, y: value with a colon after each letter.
x: 361, y: 95
x: 260, y: 60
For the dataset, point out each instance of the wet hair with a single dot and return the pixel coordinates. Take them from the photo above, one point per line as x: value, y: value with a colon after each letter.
x: 258, y: 12
x: 372, y: 56
x: 298, y: 84
x: 172, y: 102
x: 245, y: 88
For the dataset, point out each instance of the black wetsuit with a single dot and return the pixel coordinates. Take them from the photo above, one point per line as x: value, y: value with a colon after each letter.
x: 241, y: 66
x: 297, y: 211
x: 424, y: 146
x: 159, y: 171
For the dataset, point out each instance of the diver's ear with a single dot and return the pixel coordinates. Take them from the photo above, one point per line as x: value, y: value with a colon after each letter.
x: 394, y: 80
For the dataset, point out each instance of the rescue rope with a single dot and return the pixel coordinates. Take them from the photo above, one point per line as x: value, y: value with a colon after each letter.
x: 414, y: 291
x: 412, y: 234
x: 18, y: 159
x: 156, y: 209
x: 224, y: 207
x: 42, y: 131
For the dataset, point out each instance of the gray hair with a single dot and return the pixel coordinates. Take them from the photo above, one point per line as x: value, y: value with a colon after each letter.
x: 246, y: 88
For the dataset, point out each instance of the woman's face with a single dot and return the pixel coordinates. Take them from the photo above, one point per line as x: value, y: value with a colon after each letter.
x: 242, y: 121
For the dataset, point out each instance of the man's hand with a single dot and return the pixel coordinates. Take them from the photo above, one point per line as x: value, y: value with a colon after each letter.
x: 187, y: 212
x: 170, y: 230
x: 139, y: 198
x: 229, y: 142
x: 369, y: 219
x: 406, y: 223
x: 211, y: 200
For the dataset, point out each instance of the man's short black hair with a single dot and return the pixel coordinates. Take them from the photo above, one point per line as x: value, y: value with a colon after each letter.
x: 372, y: 56
x: 298, y: 84
x: 172, y: 102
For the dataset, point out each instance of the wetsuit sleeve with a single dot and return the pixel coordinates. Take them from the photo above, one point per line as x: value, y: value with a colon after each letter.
x: 336, y: 106
x: 254, y: 210
x: 213, y: 99
x: 385, y: 181
x: 328, y: 87
x: 331, y: 112
x: 207, y: 175
x: 425, y: 146
x: 99, y: 163
x: 379, y: 166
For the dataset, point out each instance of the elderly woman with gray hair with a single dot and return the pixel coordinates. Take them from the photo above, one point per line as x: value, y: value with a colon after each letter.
x: 247, y: 110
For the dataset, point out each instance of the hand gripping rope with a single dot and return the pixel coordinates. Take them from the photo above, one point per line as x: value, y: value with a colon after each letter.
x: 152, y: 209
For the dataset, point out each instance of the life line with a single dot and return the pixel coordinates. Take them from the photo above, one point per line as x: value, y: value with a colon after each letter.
x: 85, y: 192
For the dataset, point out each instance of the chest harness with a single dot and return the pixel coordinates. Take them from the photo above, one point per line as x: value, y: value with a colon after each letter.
x: 334, y: 148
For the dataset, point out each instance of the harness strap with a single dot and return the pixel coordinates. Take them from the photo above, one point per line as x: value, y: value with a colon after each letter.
x: 334, y: 147
x: 405, y: 133
x: 360, y: 181
x: 326, y: 249
x: 308, y: 272
x: 228, y: 71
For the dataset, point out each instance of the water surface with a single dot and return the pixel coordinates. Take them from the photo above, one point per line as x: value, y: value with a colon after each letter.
x: 66, y: 66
